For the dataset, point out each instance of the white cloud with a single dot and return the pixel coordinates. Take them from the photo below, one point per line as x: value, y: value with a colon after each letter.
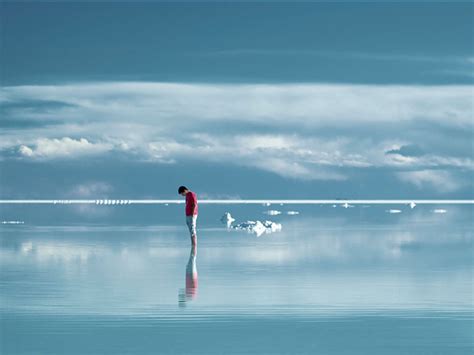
x: 64, y: 147
x: 26, y: 151
x: 440, y: 180
x: 280, y: 154
x: 453, y: 60
x: 428, y: 160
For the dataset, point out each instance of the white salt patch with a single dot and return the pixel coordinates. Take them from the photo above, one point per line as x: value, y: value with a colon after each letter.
x: 272, y: 212
x: 13, y: 222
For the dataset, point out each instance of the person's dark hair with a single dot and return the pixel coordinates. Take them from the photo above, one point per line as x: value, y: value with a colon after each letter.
x: 181, y: 189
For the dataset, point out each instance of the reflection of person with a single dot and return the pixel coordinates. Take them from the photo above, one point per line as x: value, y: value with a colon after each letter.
x: 191, y: 274
x: 190, y: 292
x: 191, y: 211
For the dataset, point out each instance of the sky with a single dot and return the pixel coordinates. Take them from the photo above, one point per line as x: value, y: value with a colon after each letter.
x: 236, y: 100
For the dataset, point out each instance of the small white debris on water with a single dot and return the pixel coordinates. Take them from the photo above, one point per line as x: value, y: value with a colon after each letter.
x: 13, y: 222
x: 412, y: 205
x: 394, y: 211
x: 292, y: 213
x: 272, y: 212
x: 439, y: 210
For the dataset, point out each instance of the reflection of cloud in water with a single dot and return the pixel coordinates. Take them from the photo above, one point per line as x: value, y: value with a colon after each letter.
x: 336, y: 268
x: 45, y: 251
x: 49, y: 251
x: 91, y: 211
x: 333, y: 247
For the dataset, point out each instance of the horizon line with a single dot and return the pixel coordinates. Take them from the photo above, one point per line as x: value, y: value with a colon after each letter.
x: 240, y: 201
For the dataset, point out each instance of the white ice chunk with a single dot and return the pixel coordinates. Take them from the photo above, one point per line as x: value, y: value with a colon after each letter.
x: 227, y: 219
x: 259, y: 227
x: 272, y: 226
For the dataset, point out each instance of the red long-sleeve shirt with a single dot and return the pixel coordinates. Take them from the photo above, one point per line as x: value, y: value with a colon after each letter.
x: 191, y: 204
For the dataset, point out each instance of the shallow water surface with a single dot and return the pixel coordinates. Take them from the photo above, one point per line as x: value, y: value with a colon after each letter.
x: 333, y: 281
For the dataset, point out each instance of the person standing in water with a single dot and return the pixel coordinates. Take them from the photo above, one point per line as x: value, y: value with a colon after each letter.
x: 191, y: 211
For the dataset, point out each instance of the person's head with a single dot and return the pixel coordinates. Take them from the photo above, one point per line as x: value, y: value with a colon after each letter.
x: 183, y: 190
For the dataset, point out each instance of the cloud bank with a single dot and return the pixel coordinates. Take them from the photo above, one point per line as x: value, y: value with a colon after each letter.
x: 307, y: 104
x: 298, y: 131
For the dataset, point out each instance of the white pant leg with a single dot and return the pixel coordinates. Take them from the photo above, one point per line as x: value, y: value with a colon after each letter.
x: 191, y: 223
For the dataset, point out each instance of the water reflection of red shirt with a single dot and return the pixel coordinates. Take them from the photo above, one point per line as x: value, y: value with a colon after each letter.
x: 191, y: 204
x: 191, y: 284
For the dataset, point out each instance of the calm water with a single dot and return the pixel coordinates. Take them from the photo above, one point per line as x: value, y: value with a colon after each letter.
x: 124, y: 280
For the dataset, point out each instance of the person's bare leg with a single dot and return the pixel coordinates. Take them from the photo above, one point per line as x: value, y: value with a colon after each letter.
x: 193, y: 231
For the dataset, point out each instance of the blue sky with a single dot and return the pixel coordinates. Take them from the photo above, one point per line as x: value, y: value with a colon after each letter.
x: 263, y: 100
